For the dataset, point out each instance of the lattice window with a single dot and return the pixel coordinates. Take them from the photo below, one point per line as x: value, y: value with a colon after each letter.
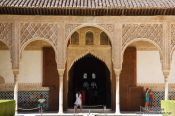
x: 89, y: 38
x: 104, y: 40
x: 75, y: 39
x: 29, y: 99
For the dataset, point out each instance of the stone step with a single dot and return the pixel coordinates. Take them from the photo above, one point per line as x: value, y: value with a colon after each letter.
x: 90, y: 111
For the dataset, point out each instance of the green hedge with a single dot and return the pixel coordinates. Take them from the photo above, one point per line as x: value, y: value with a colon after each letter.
x: 168, y: 107
x: 7, y: 107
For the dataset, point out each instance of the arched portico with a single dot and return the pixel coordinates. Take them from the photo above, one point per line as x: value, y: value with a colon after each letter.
x: 99, y: 52
x: 134, y: 66
x: 39, y: 57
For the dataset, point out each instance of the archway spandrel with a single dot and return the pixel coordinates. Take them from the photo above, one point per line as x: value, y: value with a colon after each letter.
x: 38, y: 30
x: 69, y: 28
x: 107, y: 27
x: 6, y: 33
x: 97, y: 54
x: 154, y: 32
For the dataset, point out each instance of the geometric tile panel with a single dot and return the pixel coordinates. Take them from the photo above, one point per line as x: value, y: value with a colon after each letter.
x: 29, y: 99
x: 6, y: 94
x: 158, y: 96
x: 171, y: 95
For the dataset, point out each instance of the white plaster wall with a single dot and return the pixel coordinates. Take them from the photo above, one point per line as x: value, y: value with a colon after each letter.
x: 6, y: 66
x: 149, y: 69
x: 31, y: 67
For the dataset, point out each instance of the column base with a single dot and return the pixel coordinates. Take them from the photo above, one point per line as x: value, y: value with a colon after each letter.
x: 60, y: 112
x: 117, y: 109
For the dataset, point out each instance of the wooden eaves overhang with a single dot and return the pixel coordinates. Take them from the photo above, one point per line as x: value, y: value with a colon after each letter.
x: 88, y: 7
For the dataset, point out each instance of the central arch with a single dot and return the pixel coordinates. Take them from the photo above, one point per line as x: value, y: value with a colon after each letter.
x: 92, y: 77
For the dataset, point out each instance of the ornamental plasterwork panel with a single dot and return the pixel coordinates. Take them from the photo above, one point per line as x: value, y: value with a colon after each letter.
x: 107, y: 27
x: 6, y: 33
x: 23, y: 87
x: 102, y: 53
x: 69, y: 28
x: 172, y: 36
x: 153, y: 32
x: 38, y: 30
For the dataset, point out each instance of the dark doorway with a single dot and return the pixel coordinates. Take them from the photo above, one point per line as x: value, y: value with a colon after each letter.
x: 92, y: 77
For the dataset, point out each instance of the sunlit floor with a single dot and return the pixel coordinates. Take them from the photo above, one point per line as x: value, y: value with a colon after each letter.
x: 87, y: 114
x: 90, y: 112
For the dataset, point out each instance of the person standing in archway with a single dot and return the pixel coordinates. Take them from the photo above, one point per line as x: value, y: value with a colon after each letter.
x: 78, y: 102
x: 147, y: 98
x: 151, y: 98
x: 85, y: 89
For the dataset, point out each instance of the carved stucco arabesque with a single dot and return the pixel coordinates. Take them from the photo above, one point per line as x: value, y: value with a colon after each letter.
x: 172, y: 44
x: 70, y: 28
x: 6, y: 33
x: 6, y: 37
x: 30, y: 31
x: 103, y: 54
x: 145, y: 32
x: 49, y: 31
x: 153, y: 32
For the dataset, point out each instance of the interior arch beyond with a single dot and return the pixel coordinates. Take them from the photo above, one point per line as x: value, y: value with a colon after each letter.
x: 96, y: 90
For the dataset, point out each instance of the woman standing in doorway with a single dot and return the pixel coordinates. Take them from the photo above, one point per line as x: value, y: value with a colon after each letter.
x: 78, y: 102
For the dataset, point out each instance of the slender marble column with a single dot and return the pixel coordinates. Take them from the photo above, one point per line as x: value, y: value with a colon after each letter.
x: 61, y: 72
x: 166, y: 88
x: 166, y: 74
x: 117, y: 107
x: 16, y: 88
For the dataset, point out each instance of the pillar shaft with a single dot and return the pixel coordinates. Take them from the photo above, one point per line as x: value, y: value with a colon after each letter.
x: 166, y: 88
x: 166, y: 74
x: 16, y: 72
x: 117, y: 107
x: 61, y: 72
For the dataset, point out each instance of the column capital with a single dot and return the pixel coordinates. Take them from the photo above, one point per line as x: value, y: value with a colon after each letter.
x: 15, y: 71
x: 117, y: 71
x: 61, y: 72
x: 166, y: 73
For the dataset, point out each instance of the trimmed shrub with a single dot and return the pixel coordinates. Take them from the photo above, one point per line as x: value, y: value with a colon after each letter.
x: 168, y: 107
x: 7, y: 107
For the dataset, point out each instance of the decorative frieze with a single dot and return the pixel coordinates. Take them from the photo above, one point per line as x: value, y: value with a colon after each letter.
x: 157, y: 86
x: 153, y: 32
x: 23, y: 87
x: 47, y: 31
x: 6, y: 33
